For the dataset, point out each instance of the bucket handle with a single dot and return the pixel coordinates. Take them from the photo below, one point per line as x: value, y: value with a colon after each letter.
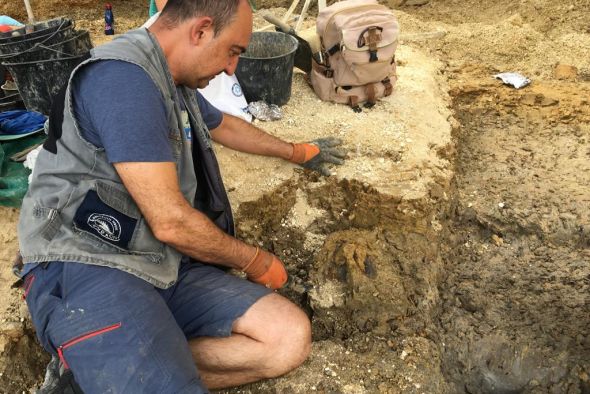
x: 40, y: 44
x: 52, y: 35
x: 54, y: 50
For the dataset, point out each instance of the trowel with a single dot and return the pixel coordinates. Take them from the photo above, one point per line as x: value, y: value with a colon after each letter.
x: 303, y: 53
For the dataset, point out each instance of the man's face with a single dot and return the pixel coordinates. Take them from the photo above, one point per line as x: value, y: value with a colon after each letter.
x: 221, y: 53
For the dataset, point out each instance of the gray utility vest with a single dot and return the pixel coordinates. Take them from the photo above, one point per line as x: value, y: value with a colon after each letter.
x: 77, y: 209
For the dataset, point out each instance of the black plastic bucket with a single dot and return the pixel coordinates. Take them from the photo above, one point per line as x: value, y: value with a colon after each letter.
x: 36, y: 27
x: 21, y: 31
x: 6, y: 98
x: 78, y: 44
x: 39, y: 81
x: 265, y: 70
x: 14, y: 101
x: 39, y: 29
x: 46, y: 39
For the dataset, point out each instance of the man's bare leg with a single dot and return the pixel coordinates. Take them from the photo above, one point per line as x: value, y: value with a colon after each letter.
x: 272, y: 338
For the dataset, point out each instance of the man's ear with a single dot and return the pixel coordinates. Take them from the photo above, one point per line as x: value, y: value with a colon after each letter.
x: 201, y: 30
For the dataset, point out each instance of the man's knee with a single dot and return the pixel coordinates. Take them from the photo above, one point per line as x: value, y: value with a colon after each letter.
x: 284, y: 328
x: 293, y: 342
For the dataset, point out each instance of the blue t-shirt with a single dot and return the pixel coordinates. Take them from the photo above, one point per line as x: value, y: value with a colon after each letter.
x: 130, y: 125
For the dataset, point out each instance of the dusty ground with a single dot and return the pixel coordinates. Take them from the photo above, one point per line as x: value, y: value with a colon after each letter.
x: 450, y: 253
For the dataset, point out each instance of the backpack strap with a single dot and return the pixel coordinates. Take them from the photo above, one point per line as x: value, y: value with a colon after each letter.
x: 371, y: 95
x: 388, y: 87
x: 333, y: 50
x: 322, y: 65
x: 353, y: 101
x: 322, y: 58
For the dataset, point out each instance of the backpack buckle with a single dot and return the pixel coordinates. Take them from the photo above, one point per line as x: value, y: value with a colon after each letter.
x: 388, y: 86
x: 354, y: 104
x: 374, y: 36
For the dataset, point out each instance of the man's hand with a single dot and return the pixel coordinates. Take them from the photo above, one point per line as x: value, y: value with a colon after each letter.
x: 317, y: 154
x: 266, y: 269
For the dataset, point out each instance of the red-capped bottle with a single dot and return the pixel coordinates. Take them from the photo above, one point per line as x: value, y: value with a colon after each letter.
x: 109, y: 19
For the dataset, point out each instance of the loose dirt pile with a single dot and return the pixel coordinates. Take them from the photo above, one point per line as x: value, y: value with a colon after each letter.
x: 450, y: 253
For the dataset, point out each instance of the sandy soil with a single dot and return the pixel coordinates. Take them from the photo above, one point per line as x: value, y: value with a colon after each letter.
x: 450, y: 253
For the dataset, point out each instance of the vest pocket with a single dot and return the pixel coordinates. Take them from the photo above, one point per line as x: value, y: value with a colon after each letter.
x: 104, y: 222
x: 49, y: 221
x: 110, y: 216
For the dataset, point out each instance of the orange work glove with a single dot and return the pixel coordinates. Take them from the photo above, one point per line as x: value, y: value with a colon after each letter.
x: 266, y: 269
x: 304, y: 152
x: 318, y: 154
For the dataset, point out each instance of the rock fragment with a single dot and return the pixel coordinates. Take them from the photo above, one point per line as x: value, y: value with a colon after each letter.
x: 565, y: 72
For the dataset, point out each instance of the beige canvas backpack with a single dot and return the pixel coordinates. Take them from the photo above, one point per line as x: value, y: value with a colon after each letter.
x: 356, y: 62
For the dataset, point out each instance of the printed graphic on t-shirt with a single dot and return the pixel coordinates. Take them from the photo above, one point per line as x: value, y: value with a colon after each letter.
x: 186, y: 126
x: 236, y: 89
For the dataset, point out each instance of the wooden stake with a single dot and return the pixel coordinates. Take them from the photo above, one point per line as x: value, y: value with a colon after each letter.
x: 30, y: 12
x: 302, y: 16
x: 290, y: 10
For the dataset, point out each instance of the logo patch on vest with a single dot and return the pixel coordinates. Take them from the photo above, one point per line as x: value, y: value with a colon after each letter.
x: 109, y: 225
x: 186, y: 125
x: 106, y: 226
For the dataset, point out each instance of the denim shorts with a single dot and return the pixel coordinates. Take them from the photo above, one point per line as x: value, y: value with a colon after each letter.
x: 119, y: 334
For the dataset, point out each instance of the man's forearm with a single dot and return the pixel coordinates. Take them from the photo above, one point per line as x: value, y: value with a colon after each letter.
x: 197, y: 236
x: 240, y: 135
x: 174, y: 221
